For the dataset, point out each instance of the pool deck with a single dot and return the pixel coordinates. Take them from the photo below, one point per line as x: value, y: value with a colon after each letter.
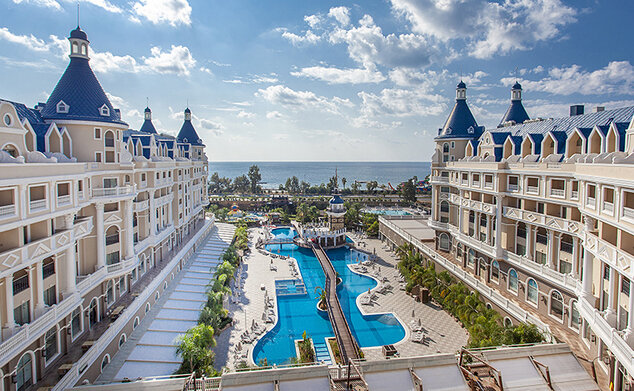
x: 445, y: 334
x: 256, y: 272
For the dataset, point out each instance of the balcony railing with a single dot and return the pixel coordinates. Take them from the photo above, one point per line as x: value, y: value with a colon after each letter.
x: 569, y: 226
x: 140, y: 205
x: 7, y: 210
x: 63, y: 200
x: 608, y: 207
x: 476, y: 183
x: 591, y: 202
x: 532, y: 189
x: 513, y: 187
x: 20, y: 284
x: 113, y: 191
x: 628, y: 212
x: 37, y: 205
x: 112, y: 239
x: 48, y: 269
x: 574, y: 194
x: 488, y: 185
x: 557, y: 192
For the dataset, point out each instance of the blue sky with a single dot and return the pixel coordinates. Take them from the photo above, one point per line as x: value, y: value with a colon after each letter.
x: 325, y: 80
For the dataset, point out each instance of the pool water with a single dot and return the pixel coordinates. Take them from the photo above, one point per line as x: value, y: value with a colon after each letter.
x: 388, y: 212
x: 298, y: 313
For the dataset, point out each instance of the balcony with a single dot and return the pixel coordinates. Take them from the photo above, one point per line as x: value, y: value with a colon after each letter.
x: 532, y: 189
x: 628, y: 213
x: 513, y: 187
x: 591, y: 202
x: 164, y: 200
x: 609, y: 253
x: 141, y: 205
x: 558, y: 193
x: 551, y: 222
x: 553, y: 276
x: 574, y: 194
x: 122, y: 267
x: 113, y: 191
x: 7, y: 211
x: 45, y: 247
x: 488, y: 185
x: 608, y: 207
x: 475, y: 183
x: 36, y: 205
x: 471, y: 204
x: 63, y: 200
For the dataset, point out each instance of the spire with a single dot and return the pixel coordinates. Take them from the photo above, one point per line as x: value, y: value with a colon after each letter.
x: 516, y: 113
x: 188, y: 134
x: 461, y: 91
x: 79, y: 43
x: 148, y: 126
x: 461, y: 123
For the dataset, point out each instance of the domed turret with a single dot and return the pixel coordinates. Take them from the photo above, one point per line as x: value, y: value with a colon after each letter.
x: 461, y: 123
x: 516, y: 114
x: 187, y: 133
x: 148, y: 126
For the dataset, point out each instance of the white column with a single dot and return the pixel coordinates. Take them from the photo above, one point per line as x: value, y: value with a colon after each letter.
x: 70, y: 265
x: 152, y: 212
x: 129, y: 229
x: 9, y: 322
x: 101, y: 240
x: 461, y: 219
x: 530, y: 242
x: 549, y: 249
x: 610, y: 312
x: 498, y: 225
x: 575, y: 256
x: 629, y: 331
x: 38, y: 282
x: 588, y: 260
x: 489, y: 230
x: 556, y: 246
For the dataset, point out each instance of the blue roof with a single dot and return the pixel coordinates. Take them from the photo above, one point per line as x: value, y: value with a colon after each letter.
x: 32, y: 115
x: 499, y: 137
x: 461, y: 85
x: 188, y: 134
x: 79, y: 33
x: 148, y: 127
x: 336, y: 199
x: 499, y: 153
x: 561, y: 140
x: 517, y: 142
x: 621, y: 127
x: 40, y: 130
x: 516, y: 86
x: 515, y: 112
x: 461, y: 123
x: 79, y: 88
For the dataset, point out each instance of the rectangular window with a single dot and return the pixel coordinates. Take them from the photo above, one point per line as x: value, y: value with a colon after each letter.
x: 112, y: 258
x: 50, y: 296
x: 625, y: 286
x: 50, y: 343
x: 98, y: 157
x: 75, y: 322
x: 98, y: 133
x: 22, y: 314
x: 606, y: 272
x: 540, y: 257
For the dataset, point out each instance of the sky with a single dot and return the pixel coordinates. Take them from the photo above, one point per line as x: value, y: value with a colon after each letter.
x: 290, y: 80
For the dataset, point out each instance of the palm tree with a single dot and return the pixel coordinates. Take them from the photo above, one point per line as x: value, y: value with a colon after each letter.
x: 321, y: 296
x: 343, y: 182
x: 195, y: 349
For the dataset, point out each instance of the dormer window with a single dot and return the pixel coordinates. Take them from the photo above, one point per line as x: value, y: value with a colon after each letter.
x: 104, y: 111
x: 185, y: 139
x: 470, y: 130
x: 62, y: 108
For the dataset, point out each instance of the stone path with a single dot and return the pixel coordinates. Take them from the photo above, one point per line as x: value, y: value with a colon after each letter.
x: 445, y: 334
x: 150, y: 349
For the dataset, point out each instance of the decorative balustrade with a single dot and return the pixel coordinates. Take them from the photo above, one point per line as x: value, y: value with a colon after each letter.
x: 591, y: 202
x: 141, y: 205
x: 63, y: 200
x: 442, y: 179
x: 532, y: 189
x: 553, y: 276
x: 472, y: 204
x: 113, y: 191
x: 7, y: 211
x: 574, y: 194
x: 551, y: 222
x: 608, y: 207
x: 512, y: 187
x: 488, y: 185
x: 36, y: 205
x: 558, y: 192
x: 627, y: 213
x: 610, y: 254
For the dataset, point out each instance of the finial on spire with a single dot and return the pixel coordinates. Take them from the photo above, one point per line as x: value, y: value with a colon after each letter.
x: 78, y: 14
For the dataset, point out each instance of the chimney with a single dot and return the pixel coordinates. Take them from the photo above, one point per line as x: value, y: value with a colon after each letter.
x: 598, y: 109
x: 39, y: 106
x: 576, y: 110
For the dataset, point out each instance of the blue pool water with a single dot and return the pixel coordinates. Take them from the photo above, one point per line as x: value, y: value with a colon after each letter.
x: 388, y: 212
x: 298, y: 313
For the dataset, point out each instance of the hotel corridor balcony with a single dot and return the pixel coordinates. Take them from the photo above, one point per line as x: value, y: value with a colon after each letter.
x: 551, y: 222
x: 109, y: 192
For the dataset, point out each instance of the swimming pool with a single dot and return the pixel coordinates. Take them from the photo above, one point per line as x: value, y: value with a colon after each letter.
x: 388, y: 212
x: 298, y: 313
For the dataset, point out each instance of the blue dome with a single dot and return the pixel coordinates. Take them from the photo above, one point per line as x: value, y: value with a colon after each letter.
x: 78, y: 33
x: 188, y: 134
x: 80, y: 90
x: 461, y: 85
x: 336, y: 199
x: 461, y: 123
x: 515, y: 112
x: 517, y: 86
x: 187, y: 110
x: 147, y: 110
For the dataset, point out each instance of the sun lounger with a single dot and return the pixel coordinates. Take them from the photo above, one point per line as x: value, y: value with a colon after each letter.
x: 365, y: 300
x: 273, y: 268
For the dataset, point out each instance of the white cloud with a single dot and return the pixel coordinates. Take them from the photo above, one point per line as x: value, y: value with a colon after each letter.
x: 206, y: 70
x: 280, y: 136
x: 365, y: 122
x: 108, y: 62
x: 488, y: 27
x: 341, y: 76
x: 274, y: 115
x: 312, y: 20
x: 104, y: 4
x: 341, y: 15
x: 301, y: 100
x: 401, y: 103
x: 178, y: 60
x: 245, y: 114
x: 29, y: 41
x: 214, y: 127
x: 173, y: 12
x: 42, y: 3
x: 254, y: 79
x: 615, y: 78
x: 297, y: 40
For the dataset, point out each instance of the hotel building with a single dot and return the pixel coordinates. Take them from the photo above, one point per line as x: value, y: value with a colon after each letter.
x: 95, y: 219
x: 538, y: 216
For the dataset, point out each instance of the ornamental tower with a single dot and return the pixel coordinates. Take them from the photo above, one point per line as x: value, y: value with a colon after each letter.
x: 516, y: 114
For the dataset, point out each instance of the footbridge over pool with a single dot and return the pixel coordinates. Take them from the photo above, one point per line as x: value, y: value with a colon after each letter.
x: 348, y: 346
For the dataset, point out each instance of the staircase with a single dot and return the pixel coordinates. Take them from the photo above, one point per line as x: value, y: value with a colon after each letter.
x: 321, y: 353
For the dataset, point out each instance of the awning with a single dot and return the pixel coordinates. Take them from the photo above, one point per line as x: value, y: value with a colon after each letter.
x: 566, y: 373
x: 389, y: 380
x: 311, y: 384
x: 520, y: 374
x: 251, y: 387
x: 442, y: 378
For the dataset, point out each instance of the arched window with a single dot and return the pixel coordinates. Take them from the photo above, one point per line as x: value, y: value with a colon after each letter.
x: 445, y: 152
x: 84, y: 49
x: 109, y: 138
x: 495, y: 271
x: 164, y: 285
x: 11, y: 150
x: 513, y: 281
x: 93, y: 313
x: 147, y: 307
x: 508, y: 322
x: 110, y: 293
x: 135, y: 323
x: 105, y: 362
x: 122, y: 340
x: 557, y: 305
x: 156, y: 296
x: 575, y: 317
x: 75, y: 47
x: 471, y: 258
x: 24, y: 373
x: 532, y: 292
x: 459, y: 249
x: 445, y: 244
x: 112, y: 235
x: 444, y: 206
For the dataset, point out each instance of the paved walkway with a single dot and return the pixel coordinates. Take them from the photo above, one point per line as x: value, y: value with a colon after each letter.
x: 255, y: 273
x: 150, y: 349
x: 445, y: 334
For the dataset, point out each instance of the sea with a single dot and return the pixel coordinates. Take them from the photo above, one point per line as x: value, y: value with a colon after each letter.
x: 315, y: 173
